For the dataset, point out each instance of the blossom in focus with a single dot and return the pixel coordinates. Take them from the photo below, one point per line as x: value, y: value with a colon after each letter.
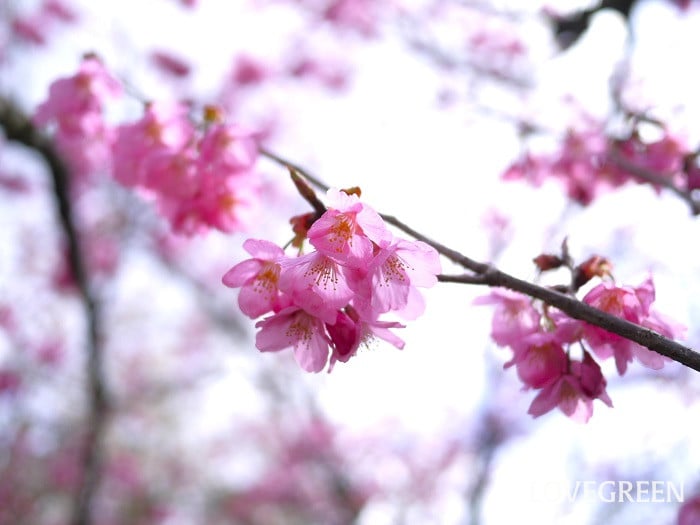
x: 573, y: 392
x: 296, y: 328
x: 258, y: 278
x: 350, y: 331
x: 327, y: 303
x: 348, y: 231
x: 539, y: 359
x: 316, y: 283
x: 390, y: 279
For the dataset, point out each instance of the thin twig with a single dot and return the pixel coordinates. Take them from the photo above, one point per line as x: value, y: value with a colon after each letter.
x: 485, y: 274
x: 20, y: 129
x: 295, y: 167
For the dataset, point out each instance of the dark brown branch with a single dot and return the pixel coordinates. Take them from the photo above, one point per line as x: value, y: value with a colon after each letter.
x: 19, y: 128
x: 462, y: 278
x: 580, y: 310
x: 488, y: 275
x: 452, y: 255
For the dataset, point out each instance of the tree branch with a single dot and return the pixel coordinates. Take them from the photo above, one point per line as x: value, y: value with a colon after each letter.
x: 19, y: 128
x: 488, y: 275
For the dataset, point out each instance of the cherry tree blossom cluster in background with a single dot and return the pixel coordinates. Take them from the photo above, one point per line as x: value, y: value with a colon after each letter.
x: 592, y: 162
x: 198, y: 178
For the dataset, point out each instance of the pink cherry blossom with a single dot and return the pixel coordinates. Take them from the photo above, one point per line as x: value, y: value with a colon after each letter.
x: 663, y: 157
x: 293, y: 327
x: 539, y: 359
x: 163, y: 128
x: 59, y: 10
x: 198, y: 179
x: 258, y: 278
x: 74, y: 109
x: 248, y: 71
x: 586, y: 166
x: 84, y: 92
x: 316, y: 283
x: 345, y: 335
x: 393, y: 274
x: 348, y: 230
x: 533, y: 169
x: 343, y: 288
x: 30, y: 29
x: 692, y: 174
x: 14, y: 183
x: 357, y: 15
x: 231, y: 204
x: 10, y: 381
x: 330, y: 74
x: 634, y: 305
x: 514, y: 316
x: 34, y: 27
x: 351, y: 331
x: 573, y: 392
x: 170, y: 173
x: 227, y: 149
x: 577, y: 164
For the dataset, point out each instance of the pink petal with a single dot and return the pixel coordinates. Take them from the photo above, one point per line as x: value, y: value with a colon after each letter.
x: 262, y: 249
x: 241, y: 273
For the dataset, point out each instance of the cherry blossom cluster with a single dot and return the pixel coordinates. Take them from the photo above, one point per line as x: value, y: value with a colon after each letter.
x: 328, y: 302
x: 590, y: 163
x: 544, y: 340
x: 74, y: 109
x: 200, y: 177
